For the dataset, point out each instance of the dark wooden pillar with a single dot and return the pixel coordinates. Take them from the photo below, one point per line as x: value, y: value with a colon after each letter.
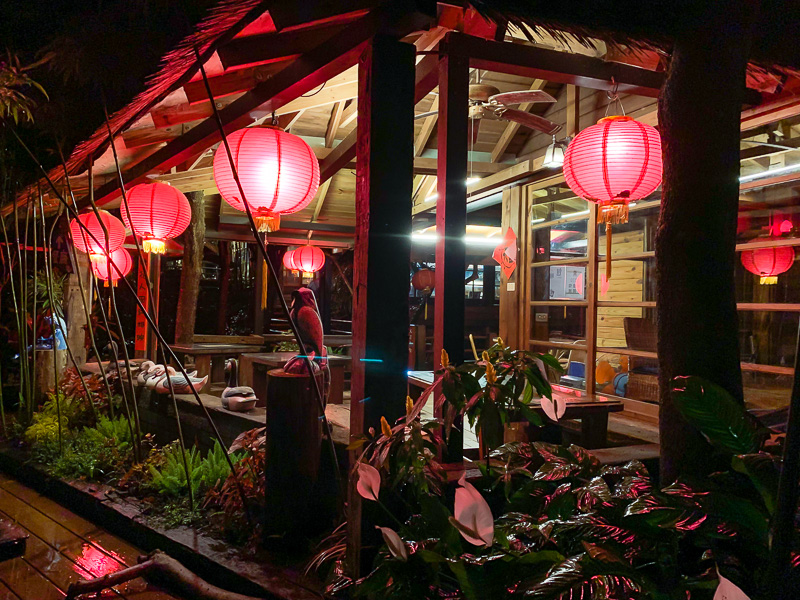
x: 383, y: 232
x: 191, y: 269
x: 451, y: 208
x: 258, y: 296
x: 224, y: 285
x: 325, y: 287
x: 154, y: 269
x: 273, y: 307
x: 699, y: 118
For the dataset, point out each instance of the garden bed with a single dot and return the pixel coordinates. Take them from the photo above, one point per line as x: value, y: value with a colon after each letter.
x: 218, y: 562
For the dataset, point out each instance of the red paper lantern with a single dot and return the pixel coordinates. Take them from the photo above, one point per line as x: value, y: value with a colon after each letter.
x: 424, y: 280
x: 288, y: 260
x: 104, y: 270
x: 158, y: 212
x: 768, y: 263
x: 308, y: 259
x: 278, y: 171
x: 614, y: 163
x: 96, y: 246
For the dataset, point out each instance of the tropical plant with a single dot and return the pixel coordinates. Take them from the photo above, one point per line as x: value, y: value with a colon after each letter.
x: 15, y: 84
x: 552, y: 523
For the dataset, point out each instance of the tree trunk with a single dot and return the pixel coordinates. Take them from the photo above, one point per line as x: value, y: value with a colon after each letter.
x: 193, y: 242
x: 699, y: 112
x: 224, y: 286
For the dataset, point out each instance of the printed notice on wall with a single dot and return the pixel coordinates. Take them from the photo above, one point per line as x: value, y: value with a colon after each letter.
x: 506, y: 253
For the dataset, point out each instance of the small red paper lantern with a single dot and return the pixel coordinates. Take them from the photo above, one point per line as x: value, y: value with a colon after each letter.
x: 768, y: 263
x: 424, y: 280
x: 158, y: 212
x: 613, y: 163
x: 278, y: 171
x: 97, y: 246
x: 288, y: 260
x: 308, y: 259
x: 104, y: 270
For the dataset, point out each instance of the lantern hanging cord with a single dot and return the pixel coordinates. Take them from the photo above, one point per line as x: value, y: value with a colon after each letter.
x: 322, y: 87
x: 613, y: 96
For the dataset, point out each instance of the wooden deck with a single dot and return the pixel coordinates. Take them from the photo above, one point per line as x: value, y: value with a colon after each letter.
x: 62, y: 548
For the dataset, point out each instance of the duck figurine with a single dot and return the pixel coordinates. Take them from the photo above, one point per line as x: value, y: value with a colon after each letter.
x: 179, y: 383
x: 143, y: 369
x: 235, y: 397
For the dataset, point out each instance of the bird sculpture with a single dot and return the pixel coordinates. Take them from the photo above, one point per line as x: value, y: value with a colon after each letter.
x: 305, y: 314
x: 143, y: 370
x: 235, y: 397
x: 180, y: 385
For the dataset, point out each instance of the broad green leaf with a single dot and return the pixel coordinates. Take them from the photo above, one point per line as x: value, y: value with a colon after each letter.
x: 764, y: 471
x: 717, y: 415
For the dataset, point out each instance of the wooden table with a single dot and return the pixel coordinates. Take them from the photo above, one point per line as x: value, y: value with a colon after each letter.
x: 253, y: 372
x: 333, y: 340
x: 592, y: 412
x: 209, y: 358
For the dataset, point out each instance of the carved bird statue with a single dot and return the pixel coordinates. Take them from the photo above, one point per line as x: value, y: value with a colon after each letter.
x: 235, y: 397
x: 305, y: 314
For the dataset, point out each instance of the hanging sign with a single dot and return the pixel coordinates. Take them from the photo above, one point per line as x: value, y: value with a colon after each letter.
x: 140, y: 346
x: 506, y: 253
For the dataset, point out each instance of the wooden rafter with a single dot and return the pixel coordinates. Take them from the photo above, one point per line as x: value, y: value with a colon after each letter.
x: 321, y: 193
x: 333, y: 123
x: 426, y: 131
x: 298, y: 77
x: 350, y: 113
x: 345, y: 151
x: 512, y: 127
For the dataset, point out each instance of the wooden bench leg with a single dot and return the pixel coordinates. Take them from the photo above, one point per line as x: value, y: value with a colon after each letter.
x: 594, y: 431
x: 336, y: 393
x: 202, y: 363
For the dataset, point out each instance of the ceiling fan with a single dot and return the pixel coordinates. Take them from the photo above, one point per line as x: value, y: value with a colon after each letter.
x: 487, y: 101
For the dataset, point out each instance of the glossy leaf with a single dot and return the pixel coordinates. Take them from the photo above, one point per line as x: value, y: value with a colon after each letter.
x: 473, y: 517
x: 369, y: 482
x: 717, y: 415
x: 764, y: 471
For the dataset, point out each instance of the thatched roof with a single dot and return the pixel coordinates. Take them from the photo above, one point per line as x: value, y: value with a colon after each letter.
x: 651, y: 24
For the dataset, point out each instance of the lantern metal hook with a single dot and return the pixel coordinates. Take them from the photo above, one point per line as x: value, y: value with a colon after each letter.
x: 613, y: 96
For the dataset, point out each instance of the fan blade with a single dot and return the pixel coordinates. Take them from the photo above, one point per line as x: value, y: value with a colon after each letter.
x: 430, y: 113
x: 521, y: 96
x: 528, y: 120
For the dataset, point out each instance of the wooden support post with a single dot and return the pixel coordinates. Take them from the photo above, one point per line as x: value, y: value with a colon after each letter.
x: 155, y: 279
x: 260, y: 268
x: 591, y: 279
x: 191, y: 270
x: 511, y: 292
x: 142, y: 335
x: 75, y: 313
x: 451, y: 207
x: 384, y: 176
x: 451, y: 222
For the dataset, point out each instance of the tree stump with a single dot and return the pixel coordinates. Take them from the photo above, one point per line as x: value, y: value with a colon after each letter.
x: 45, y: 370
x: 294, y: 438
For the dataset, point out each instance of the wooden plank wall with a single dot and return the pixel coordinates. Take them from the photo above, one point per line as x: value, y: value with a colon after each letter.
x: 626, y: 285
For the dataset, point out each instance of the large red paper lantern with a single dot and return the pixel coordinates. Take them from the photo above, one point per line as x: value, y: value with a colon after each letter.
x: 278, y: 171
x: 308, y: 259
x: 424, y: 280
x: 288, y: 260
x: 95, y: 243
x: 613, y: 163
x: 768, y: 263
x: 158, y: 212
x: 104, y: 270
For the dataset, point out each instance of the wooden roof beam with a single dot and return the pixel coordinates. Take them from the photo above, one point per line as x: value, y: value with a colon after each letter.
x: 427, y: 74
x: 559, y: 67
x: 299, y: 77
x: 426, y: 131
x: 333, y: 123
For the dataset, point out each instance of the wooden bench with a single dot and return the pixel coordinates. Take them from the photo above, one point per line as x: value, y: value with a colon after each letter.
x: 209, y: 357
x: 253, y: 372
x: 622, y: 454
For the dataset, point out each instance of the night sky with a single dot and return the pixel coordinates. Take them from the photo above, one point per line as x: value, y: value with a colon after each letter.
x: 98, y: 47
